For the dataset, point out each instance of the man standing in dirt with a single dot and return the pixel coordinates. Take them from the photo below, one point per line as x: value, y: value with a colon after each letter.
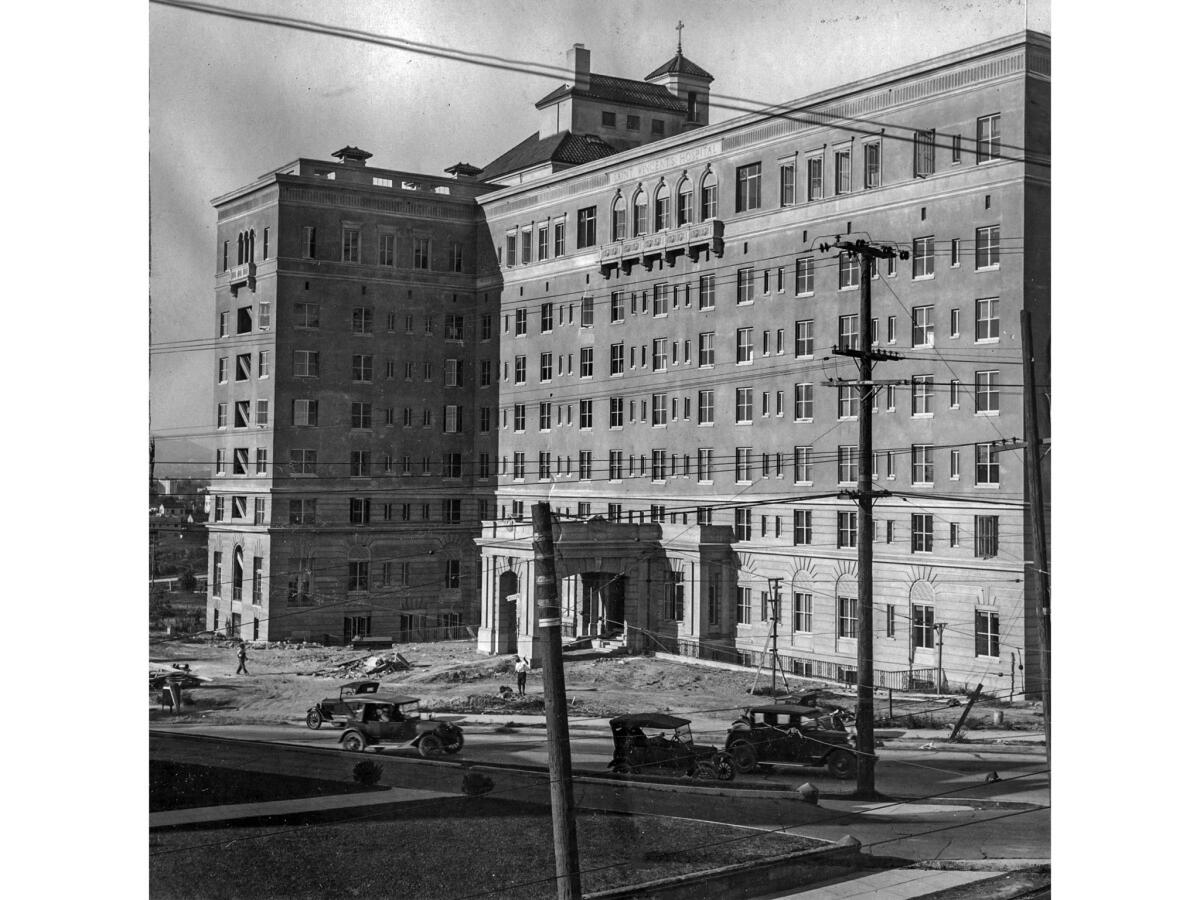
x: 522, y: 668
x: 241, y: 669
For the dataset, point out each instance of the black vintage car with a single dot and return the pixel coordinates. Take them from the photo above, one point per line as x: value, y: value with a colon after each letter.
x: 373, y: 720
x: 635, y: 751
x: 790, y: 733
x: 333, y: 710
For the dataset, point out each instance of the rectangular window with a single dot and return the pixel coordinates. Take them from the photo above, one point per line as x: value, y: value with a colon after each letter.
x: 987, y: 465
x: 704, y: 407
x: 708, y: 353
x: 546, y: 367
x: 560, y: 239
x: 787, y: 183
x: 801, y: 527
x: 922, y: 533
x: 360, y: 415
x: 922, y: 463
x: 543, y: 242
x: 847, y: 402
x: 871, y: 165
x: 616, y: 307
x: 922, y: 395
x: 306, y: 363
x: 744, y: 406
x: 745, y: 345
x: 954, y: 323
x: 987, y: 320
x: 304, y: 412
x: 987, y: 633
x: 420, y: 253
x: 387, y: 249
x: 987, y: 247
x: 743, y: 464
x: 616, y: 412
x: 848, y: 271
x: 749, y: 188
x: 351, y: 245
x: 361, y: 367
x: 585, y: 465
x: 804, y: 275
x: 802, y: 465
x: 803, y: 402
x: 745, y: 285
x: 704, y: 463
x: 922, y: 626
x: 955, y: 252
x: 987, y: 393
x: 987, y: 541
x: 660, y: 300
x: 847, y: 464
x: 922, y: 258
x: 308, y: 242
x: 815, y: 177
x: 848, y: 337
x: 804, y: 338
x: 586, y: 362
x: 922, y: 326
x: 585, y: 230
x: 847, y: 626
x: 616, y: 358
x: 615, y: 465
x: 841, y: 171
x: 987, y: 138
x: 708, y: 292
x: 923, y: 158
x: 362, y: 320
x: 306, y: 315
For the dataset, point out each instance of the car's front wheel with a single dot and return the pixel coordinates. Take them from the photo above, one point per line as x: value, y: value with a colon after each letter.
x: 454, y: 742
x: 353, y: 742
x: 726, y: 768
x: 706, y: 770
x: 313, y: 719
x: 429, y: 746
x: 744, y: 757
x: 842, y: 764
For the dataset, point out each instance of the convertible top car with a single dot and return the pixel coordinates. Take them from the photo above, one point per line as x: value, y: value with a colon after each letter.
x: 635, y: 751
x: 792, y: 733
x: 374, y: 720
x: 333, y: 710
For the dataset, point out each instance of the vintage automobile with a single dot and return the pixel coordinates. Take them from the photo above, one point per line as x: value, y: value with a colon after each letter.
x: 374, y: 720
x: 636, y: 752
x: 792, y: 733
x: 333, y: 710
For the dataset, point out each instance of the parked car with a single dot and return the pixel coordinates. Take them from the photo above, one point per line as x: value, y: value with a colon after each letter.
x: 791, y: 733
x: 333, y: 710
x: 636, y: 751
x: 374, y: 720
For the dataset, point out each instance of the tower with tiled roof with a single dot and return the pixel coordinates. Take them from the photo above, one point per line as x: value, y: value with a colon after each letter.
x: 688, y: 82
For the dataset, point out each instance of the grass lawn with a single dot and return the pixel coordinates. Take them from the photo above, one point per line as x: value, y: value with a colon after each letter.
x: 181, y: 786
x: 465, y: 847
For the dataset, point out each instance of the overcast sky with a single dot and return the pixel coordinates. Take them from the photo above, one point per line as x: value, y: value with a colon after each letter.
x: 232, y: 99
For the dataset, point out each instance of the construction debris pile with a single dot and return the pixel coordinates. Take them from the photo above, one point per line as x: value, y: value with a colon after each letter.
x: 374, y: 665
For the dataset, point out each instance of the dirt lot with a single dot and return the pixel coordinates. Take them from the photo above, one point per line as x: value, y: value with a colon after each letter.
x: 285, y: 680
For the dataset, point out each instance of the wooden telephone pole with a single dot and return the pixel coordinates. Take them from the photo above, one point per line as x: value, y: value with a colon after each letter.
x: 562, y: 797
x: 866, y: 253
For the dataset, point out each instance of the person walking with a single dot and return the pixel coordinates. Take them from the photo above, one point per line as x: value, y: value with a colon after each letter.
x: 241, y: 669
x: 522, y: 668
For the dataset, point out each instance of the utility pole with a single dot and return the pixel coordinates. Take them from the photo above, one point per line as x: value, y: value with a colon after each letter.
x: 940, y: 626
x: 866, y: 254
x: 1033, y: 479
x: 562, y: 798
x: 774, y: 632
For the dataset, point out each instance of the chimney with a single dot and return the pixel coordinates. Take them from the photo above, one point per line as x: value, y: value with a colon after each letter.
x: 579, y: 61
x: 352, y: 156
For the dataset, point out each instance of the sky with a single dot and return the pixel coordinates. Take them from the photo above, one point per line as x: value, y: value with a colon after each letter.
x: 231, y: 99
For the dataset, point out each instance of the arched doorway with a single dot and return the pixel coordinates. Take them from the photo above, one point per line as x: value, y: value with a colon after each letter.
x: 603, y: 603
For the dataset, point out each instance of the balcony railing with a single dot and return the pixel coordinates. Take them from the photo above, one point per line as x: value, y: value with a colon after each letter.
x: 241, y: 275
x: 690, y: 239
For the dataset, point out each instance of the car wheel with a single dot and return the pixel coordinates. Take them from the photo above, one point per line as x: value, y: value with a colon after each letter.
x: 744, y: 757
x: 313, y: 719
x: 706, y: 770
x: 842, y: 764
x: 429, y: 746
x: 622, y: 768
x: 454, y: 742
x: 353, y: 741
x: 726, y: 768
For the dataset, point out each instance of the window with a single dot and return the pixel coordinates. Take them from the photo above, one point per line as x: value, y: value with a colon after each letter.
x: 987, y: 320
x: 847, y: 618
x: 421, y: 253
x: 841, y: 171
x: 362, y: 320
x: 922, y: 626
x: 544, y: 415
x: 708, y: 197
x: 704, y: 407
x: 658, y: 465
x: 987, y: 465
x: 453, y: 574
x: 640, y: 213
x: 304, y: 412
x: 848, y: 332
x: 659, y: 356
x: 987, y: 542
x: 745, y: 604
x: 955, y: 393
x: 803, y: 402
x: 708, y: 353
x: 815, y: 177
x: 586, y: 362
x: 241, y: 414
x: 802, y: 465
x: 987, y: 247
x: 847, y: 464
x: 308, y: 242
x: 615, y: 465
x: 922, y: 533
x: 787, y: 183
x: 387, y: 249
x: 744, y: 408
x: 987, y: 633
x: 745, y: 345
x: 585, y: 227
x: 955, y: 252
x: 306, y: 315
x: 922, y: 395
x: 922, y: 326
x: 708, y: 291
x: 618, y: 219
x: 544, y: 466
x: 302, y: 461
x: 804, y: 275
x: 922, y: 259
x: 350, y: 244
x: 802, y: 528
x: 742, y: 464
x: 954, y: 323
x: 704, y: 465
x: 361, y: 367
x: 306, y: 363
x: 922, y: 464
x: 749, y: 188
x: 987, y: 138
x: 804, y: 338
x: 546, y: 367
x: 987, y: 393
x: 360, y: 463
x: 360, y: 415
x: 871, y: 165
x: 616, y: 412
x: 848, y: 271
x: 616, y: 307
x: 660, y: 300
x: 518, y: 466
x: 923, y: 159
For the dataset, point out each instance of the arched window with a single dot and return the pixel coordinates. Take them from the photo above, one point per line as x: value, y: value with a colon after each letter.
x: 618, y: 219
x: 237, y: 573
x: 639, y: 213
x: 708, y: 197
x: 662, y: 208
x: 685, y: 203
x: 241, y: 249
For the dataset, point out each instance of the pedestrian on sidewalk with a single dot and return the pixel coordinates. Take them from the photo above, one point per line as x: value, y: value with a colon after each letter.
x: 522, y: 668
x: 241, y: 669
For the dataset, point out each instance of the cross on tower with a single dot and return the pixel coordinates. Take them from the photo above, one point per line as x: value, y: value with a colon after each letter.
x: 679, y: 28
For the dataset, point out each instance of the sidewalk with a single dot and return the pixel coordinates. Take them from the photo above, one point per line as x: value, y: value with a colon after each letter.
x: 891, y: 884
x: 377, y: 801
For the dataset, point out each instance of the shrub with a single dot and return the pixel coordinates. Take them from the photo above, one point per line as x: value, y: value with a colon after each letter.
x: 368, y: 773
